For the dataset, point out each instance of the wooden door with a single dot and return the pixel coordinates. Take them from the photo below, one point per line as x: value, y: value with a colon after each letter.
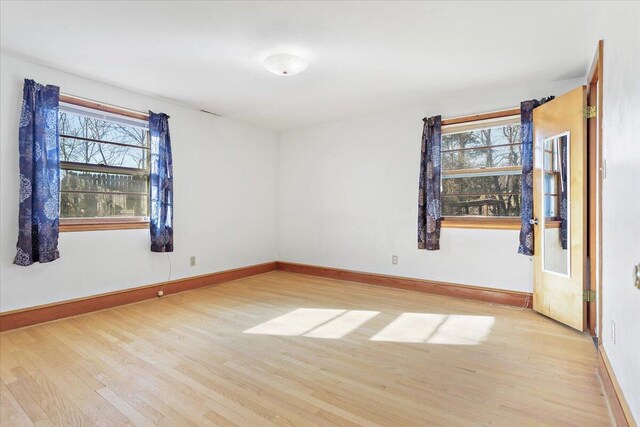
x: 559, y: 183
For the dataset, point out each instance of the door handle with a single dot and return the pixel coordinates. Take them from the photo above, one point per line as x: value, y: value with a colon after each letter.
x: 533, y: 221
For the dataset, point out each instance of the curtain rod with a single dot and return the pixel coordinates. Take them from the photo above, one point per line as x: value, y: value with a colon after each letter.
x: 482, y: 116
x: 109, y: 108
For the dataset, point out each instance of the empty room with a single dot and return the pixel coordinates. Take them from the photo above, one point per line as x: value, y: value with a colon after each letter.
x: 319, y: 213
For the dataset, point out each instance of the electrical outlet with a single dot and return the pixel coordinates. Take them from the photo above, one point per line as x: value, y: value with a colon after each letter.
x: 394, y: 259
x: 613, y: 332
x: 192, y: 261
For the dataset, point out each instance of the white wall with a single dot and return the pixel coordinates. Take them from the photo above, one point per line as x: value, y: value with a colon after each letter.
x: 349, y: 198
x: 618, y: 27
x: 225, y: 201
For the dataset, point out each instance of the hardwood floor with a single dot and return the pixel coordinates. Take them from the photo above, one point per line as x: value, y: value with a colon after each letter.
x: 287, y: 349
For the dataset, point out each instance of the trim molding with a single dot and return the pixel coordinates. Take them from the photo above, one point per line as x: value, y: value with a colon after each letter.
x: 48, y: 312
x: 82, y: 102
x: 59, y: 310
x: 71, y: 225
x: 495, y: 223
x: 481, y: 116
x: 441, y: 288
x: 613, y: 393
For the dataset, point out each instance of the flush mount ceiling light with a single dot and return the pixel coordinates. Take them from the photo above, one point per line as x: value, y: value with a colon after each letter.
x: 285, y: 64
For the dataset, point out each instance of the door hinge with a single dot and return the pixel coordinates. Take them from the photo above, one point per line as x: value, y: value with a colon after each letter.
x: 589, y: 296
x: 590, y: 112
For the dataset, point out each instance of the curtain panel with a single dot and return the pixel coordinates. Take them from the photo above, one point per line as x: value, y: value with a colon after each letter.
x: 429, y: 186
x: 526, y: 121
x: 39, y: 197
x: 161, y: 184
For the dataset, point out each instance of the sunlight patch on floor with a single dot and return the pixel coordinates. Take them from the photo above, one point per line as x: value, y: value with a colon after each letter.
x: 343, y: 324
x: 451, y: 329
x: 410, y: 327
x: 429, y: 328
x: 296, y: 322
x: 463, y: 330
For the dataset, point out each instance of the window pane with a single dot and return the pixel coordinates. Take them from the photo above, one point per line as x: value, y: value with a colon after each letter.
x: 482, y: 185
x: 550, y: 206
x: 485, y: 205
x: 508, y: 134
x: 482, y: 158
x: 87, y: 127
x: 88, y: 205
x: 482, y: 148
x: 548, y: 161
x: 75, y: 150
x: 102, y: 182
x: 486, y: 195
x: 550, y: 183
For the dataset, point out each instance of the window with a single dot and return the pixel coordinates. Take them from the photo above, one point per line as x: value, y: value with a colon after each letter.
x: 104, y: 162
x: 481, y: 170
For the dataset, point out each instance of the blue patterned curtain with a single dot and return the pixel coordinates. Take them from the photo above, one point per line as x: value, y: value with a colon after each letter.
x: 161, y: 182
x: 429, y: 187
x: 39, y: 209
x: 526, y: 121
x: 563, y: 192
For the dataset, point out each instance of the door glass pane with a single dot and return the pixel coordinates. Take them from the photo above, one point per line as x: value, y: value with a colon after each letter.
x: 555, y: 189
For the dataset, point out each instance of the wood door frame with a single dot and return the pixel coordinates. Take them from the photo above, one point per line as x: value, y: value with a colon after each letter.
x: 594, y: 193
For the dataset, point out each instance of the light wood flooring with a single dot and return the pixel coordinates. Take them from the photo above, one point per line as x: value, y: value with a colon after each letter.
x: 286, y: 349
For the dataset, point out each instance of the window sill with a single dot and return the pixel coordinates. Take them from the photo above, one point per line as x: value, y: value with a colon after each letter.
x: 492, y: 223
x: 100, y: 224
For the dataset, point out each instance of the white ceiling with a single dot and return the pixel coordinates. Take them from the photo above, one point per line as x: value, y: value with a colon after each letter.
x: 364, y: 56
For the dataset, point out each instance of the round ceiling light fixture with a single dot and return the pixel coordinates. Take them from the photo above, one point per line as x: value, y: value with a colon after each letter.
x: 285, y: 64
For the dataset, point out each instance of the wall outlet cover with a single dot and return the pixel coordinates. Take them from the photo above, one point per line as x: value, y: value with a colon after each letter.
x: 613, y: 332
